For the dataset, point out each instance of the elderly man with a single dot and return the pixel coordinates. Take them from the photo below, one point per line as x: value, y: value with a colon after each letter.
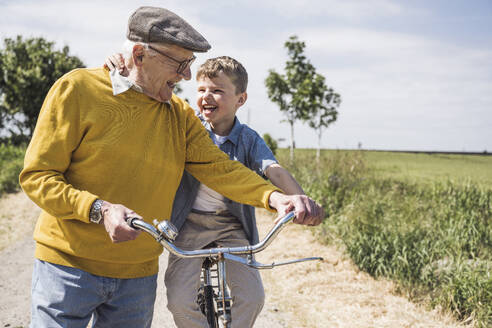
x: 106, y: 148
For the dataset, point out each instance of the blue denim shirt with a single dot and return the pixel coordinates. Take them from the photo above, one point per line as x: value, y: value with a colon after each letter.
x: 245, y: 145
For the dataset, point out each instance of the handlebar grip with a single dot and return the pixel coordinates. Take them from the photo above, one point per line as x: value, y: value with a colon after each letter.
x: 130, y: 220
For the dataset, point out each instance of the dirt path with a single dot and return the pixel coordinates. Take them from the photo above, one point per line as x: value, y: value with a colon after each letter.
x: 328, y: 294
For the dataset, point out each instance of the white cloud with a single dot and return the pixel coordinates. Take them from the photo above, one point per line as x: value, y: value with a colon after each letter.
x: 350, y: 10
x: 398, y: 65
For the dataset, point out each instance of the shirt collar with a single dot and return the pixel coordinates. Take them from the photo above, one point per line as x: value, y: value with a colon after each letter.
x: 235, y: 132
x: 122, y: 84
x: 233, y: 135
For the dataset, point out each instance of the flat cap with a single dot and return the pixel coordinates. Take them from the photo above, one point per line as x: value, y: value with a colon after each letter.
x: 159, y: 25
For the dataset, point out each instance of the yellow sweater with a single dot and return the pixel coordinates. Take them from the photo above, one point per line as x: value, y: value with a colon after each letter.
x: 127, y: 149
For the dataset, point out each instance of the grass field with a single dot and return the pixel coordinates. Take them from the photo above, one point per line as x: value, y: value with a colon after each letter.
x: 424, y: 221
x: 426, y: 166
x: 417, y: 167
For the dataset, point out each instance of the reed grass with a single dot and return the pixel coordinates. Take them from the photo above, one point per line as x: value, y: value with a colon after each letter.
x: 433, y: 237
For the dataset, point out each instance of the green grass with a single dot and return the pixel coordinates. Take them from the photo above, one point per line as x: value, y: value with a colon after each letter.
x: 431, y: 167
x: 11, y: 163
x: 424, y: 221
x: 419, y: 168
x: 432, y: 239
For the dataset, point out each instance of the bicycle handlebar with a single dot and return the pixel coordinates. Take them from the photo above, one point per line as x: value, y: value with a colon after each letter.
x: 165, y: 238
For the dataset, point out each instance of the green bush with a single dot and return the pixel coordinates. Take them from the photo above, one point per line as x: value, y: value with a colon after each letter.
x: 332, y: 182
x: 435, y: 239
x: 11, y: 163
x: 415, y: 233
x: 271, y: 143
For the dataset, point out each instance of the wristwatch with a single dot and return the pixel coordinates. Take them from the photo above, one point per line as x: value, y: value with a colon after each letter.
x: 95, y: 214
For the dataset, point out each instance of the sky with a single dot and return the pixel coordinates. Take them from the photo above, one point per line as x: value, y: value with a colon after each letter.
x: 413, y: 75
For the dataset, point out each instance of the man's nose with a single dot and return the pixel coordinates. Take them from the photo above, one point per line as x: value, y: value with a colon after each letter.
x: 186, y: 74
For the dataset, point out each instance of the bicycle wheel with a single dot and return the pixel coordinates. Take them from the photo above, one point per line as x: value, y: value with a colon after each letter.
x: 210, y: 307
x: 206, y: 295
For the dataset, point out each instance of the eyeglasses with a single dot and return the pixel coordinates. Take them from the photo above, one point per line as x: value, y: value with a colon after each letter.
x: 183, y: 65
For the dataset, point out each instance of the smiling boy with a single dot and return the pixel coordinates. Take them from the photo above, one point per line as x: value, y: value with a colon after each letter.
x: 204, y: 216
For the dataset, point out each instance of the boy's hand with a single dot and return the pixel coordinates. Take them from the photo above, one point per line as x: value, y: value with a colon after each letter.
x: 306, y: 210
x: 116, y: 61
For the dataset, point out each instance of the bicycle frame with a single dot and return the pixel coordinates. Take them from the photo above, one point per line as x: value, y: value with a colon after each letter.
x: 165, y: 233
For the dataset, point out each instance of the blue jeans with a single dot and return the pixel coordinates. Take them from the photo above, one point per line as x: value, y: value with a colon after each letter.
x: 68, y: 297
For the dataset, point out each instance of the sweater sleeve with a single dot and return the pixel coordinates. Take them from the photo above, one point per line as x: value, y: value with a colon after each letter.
x: 48, y: 156
x: 207, y: 163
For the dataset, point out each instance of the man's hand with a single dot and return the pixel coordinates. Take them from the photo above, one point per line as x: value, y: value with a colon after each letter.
x: 306, y: 210
x: 114, y: 220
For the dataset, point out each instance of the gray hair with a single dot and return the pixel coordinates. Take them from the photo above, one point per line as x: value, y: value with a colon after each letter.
x: 127, y: 49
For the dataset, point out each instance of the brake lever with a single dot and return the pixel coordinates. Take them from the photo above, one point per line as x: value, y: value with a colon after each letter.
x: 257, y: 265
x: 163, y: 229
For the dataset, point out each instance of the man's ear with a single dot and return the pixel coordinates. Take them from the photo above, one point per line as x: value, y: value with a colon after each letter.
x: 138, y: 54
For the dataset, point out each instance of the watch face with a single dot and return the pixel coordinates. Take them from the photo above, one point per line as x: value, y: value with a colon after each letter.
x: 95, y: 215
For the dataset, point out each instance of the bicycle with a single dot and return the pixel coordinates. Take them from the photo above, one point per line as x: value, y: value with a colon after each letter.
x: 214, y: 296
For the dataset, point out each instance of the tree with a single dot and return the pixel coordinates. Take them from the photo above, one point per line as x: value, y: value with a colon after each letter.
x: 324, y: 108
x: 271, y: 143
x: 179, y: 90
x: 28, y: 69
x: 291, y: 91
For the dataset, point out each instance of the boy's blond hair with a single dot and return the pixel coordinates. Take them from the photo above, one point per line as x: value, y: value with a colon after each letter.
x: 229, y: 66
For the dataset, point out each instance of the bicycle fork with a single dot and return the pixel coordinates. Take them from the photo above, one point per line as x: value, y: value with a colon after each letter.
x: 215, y: 300
x: 206, y: 295
x: 223, y: 299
